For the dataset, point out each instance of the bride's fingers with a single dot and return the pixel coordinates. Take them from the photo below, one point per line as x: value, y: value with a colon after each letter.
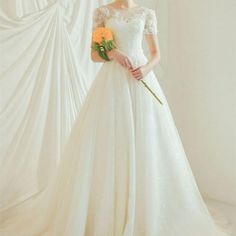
x: 130, y: 67
x: 123, y: 63
x: 136, y: 70
x: 136, y: 73
x: 138, y: 77
x: 128, y: 63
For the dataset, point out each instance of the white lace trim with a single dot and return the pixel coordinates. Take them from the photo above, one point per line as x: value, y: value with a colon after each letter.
x: 104, y: 13
x: 151, y: 23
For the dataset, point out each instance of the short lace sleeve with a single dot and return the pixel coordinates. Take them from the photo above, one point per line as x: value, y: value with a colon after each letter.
x: 151, y: 22
x: 99, y: 17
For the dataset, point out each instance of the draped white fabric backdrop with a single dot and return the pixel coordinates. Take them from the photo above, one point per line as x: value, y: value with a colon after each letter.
x: 46, y: 72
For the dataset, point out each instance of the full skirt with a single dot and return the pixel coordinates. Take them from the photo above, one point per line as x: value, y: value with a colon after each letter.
x: 124, y: 171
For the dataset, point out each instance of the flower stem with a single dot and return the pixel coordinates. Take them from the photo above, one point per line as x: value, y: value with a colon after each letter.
x: 149, y: 89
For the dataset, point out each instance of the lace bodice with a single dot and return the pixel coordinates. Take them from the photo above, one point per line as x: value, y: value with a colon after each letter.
x: 128, y: 26
x: 146, y: 15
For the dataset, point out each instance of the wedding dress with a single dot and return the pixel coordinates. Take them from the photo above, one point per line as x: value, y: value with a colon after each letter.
x: 124, y: 171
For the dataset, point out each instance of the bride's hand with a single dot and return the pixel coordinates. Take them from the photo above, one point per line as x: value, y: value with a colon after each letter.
x: 121, y: 58
x: 140, y: 72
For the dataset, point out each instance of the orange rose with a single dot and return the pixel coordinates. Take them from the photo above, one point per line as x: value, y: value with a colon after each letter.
x: 101, y: 34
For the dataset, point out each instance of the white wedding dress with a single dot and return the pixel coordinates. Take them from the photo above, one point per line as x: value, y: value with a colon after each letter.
x: 124, y: 170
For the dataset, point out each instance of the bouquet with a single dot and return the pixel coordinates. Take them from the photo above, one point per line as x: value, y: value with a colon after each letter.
x: 103, y: 42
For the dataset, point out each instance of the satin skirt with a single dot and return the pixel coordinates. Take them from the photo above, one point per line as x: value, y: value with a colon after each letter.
x: 124, y: 171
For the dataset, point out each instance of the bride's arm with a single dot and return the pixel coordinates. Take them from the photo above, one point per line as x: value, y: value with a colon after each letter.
x: 155, y: 57
x: 95, y: 56
x: 115, y: 55
x: 153, y: 45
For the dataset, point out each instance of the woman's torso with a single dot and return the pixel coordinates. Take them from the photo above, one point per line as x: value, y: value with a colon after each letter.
x: 128, y: 27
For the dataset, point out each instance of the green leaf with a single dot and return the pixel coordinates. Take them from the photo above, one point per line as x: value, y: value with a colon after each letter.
x: 105, y: 46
